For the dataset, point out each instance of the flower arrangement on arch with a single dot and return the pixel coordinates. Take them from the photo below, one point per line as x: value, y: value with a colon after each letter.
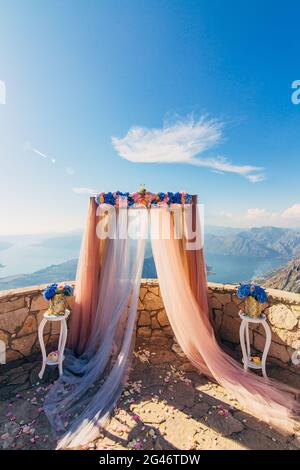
x: 56, y: 295
x: 53, y: 289
x: 252, y: 290
x: 253, y: 296
x: 143, y: 198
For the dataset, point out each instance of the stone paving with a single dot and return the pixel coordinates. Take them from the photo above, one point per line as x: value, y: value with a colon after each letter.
x: 166, y: 405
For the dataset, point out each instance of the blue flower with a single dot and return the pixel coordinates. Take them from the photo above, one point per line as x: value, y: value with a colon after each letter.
x: 243, y: 291
x: 109, y: 198
x: 68, y: 290
x: 171, y: 197
x: 174, y: 198
x: 50, y: 291
x: 260, y: 294
x: 257, y: 292
x: 177, y: 198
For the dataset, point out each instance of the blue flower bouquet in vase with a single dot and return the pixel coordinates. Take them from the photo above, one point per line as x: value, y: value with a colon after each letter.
x: 56, y: 294
x: 254, y: 296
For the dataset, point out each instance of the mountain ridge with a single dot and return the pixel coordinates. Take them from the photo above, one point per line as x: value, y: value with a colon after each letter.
x: 258, y: 242
x: 53, y: 273
x: 287, y: 277
x: 261, y: 243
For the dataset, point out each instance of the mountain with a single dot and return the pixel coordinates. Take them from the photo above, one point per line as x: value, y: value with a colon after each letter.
x: 286, y: 277
x: 223, y: 231
x: 233, y: 254
x: 63, y: 272
x: 61, y: 242
x: 54, y: 273
x: 260, y: 242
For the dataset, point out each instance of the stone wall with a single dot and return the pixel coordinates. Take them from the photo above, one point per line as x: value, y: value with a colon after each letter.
x: 283, y: 313
x: 21, y: 310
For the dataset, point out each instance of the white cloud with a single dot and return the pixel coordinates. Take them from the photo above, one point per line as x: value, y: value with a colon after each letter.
x: 40, y: 153
x: 81, y: 190
x: 260, y: 216
x: 226, y: 214
x: 255, y: 213
x: 257, y: 217
x: 183, y: 142
x: 292, y: 212
x: 256, y: 178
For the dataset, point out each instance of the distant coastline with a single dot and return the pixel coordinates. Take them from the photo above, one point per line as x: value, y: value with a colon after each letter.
x: 232, y: 255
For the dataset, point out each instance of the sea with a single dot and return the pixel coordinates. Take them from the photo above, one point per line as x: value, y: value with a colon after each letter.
x: 30, y: 254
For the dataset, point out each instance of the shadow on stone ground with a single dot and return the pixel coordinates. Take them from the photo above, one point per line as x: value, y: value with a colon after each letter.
x: 166, y: 405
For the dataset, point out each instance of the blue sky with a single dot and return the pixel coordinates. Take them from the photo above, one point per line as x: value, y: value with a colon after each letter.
x: 78, y: 73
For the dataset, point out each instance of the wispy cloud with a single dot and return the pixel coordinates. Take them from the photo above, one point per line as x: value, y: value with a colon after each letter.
x: 41, y: 154
x: 182, y: 142
x: 256, y: 178
x: 81, y: 190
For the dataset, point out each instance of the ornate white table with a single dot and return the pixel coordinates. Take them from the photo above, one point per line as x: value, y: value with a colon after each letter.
x: 244, y: 335
x: 61, y: 342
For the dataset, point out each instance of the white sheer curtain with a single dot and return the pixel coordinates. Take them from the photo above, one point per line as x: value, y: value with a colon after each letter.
x: 182, y: 280
x: 80, y: 401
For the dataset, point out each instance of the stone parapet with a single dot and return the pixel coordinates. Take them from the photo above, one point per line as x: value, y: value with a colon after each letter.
x: 21, y: 311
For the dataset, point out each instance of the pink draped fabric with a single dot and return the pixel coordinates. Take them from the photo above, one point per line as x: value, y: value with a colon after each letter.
x: 102, y: 332
x: 87, y: 283
x: 182, y: 281
x: 103, y: 323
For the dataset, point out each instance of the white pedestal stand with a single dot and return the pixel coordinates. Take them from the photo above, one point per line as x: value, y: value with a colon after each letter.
x: 61, y: 343
x: 244, y: 334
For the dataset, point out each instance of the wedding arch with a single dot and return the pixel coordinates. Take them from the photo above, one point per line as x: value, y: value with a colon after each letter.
x: 104, y: 315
